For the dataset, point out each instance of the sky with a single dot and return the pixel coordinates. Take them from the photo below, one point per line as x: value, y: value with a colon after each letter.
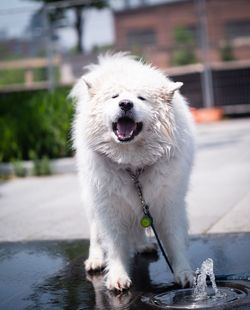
x: 13, y: 23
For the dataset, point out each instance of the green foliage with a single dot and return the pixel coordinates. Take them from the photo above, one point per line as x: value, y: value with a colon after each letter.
x: 183, y: 53
x: 226, y: 53
x: 37, y: 122
x: 8, y: 77
x: 40, y: 74
x: 19, y: 169
x: 16, y: 76
x: 183, y: 57
x: 41, y: 166
x: 183, y: 36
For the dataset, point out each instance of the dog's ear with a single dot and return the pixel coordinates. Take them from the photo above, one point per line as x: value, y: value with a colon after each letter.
x: 167, y: 92
x: 88, y: 84
x: 90, y: 87
x: 173, y: 87
x: 81, y: 89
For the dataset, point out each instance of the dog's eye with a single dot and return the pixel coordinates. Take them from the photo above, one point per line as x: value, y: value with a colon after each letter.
x: 141, y: 98
x: 115, y: 96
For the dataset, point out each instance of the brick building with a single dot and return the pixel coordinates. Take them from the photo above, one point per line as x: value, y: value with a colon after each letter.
x: 156, y: 30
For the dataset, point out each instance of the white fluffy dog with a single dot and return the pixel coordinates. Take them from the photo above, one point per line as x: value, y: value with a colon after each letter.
x: 130, y: 115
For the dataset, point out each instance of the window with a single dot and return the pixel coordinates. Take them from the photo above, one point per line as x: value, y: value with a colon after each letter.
x: 141, y: 37
x: 238, y: 29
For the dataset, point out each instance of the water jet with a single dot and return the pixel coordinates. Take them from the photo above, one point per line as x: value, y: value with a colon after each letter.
x: 205, y: 294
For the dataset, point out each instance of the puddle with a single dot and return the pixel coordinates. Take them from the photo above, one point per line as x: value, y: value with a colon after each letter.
x: 50, y: 275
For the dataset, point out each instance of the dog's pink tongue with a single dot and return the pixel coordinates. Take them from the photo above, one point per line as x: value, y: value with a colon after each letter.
x: 125, y: 127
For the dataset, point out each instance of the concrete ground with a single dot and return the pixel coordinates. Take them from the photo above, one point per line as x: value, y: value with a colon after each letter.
x: 218, y: 201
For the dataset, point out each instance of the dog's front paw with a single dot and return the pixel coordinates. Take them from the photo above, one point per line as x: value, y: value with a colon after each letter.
x: 94, y: 264
x: 185, y: 278
x: 119, y: 282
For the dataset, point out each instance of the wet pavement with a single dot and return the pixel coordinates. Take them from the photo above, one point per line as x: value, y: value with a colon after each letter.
x: 50, y: 274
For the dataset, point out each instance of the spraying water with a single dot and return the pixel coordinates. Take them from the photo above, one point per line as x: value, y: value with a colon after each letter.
x: 201, y: 296
x: 200, y: 283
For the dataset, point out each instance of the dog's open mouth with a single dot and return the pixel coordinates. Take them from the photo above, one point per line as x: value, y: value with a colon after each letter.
x: 126, y: 129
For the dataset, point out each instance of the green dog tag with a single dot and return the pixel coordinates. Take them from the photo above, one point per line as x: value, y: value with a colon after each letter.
x: 146, y: 221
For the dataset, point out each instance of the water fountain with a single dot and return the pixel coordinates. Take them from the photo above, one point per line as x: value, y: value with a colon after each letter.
x: 205, y: 293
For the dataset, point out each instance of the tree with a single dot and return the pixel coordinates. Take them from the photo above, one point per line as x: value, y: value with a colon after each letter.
x: 79, y: 22
x: 57, y: 15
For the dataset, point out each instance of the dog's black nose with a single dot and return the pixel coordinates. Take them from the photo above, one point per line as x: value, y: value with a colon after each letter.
x: 126, y: 105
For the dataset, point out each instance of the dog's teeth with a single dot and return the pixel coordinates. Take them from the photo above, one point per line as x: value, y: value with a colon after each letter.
x: 120, y: 136
x: 130, y: 134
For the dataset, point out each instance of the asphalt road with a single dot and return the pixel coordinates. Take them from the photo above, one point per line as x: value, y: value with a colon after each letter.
x: 46, y: 208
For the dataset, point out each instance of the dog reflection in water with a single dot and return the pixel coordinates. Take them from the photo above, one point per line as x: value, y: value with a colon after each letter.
x: 106, y: 299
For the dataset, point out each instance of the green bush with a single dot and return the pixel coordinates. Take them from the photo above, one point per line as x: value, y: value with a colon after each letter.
x: 41, y: 166
x: 19, y: 169
x: 37, y: 122
x: 183, y: 36
x: 183, y: 57
x: 8, y: 77
x: 16, y: 76
x: 183, y: 53
x: 226, y: 53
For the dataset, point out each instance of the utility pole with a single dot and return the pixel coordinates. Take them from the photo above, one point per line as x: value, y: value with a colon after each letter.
x: 207, y: 81
x: 49, y: 50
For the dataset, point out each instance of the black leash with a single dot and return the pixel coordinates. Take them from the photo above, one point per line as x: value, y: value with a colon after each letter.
x: 147, y: 219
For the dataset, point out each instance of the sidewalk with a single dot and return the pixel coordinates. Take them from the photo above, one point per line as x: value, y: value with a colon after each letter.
x: 219, y: 198
x: 218, y: 201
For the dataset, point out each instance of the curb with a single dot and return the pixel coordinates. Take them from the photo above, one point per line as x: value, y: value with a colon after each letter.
x: 58, y: 166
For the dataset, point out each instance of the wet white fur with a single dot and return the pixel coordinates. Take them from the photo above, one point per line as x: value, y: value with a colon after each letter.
x: 164, y: 148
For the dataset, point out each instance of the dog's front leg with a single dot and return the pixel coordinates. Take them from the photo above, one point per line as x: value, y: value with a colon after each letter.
x: 118, y: 257
x: 95, y: 260
x: 173, y: 233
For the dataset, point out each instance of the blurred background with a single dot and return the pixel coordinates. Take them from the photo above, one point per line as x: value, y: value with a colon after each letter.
x: 44, y: 46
